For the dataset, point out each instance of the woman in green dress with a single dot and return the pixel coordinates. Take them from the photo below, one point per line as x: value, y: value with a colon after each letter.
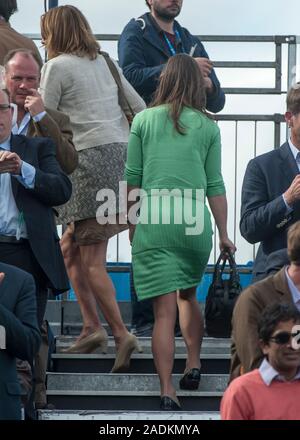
x: 174, y: 164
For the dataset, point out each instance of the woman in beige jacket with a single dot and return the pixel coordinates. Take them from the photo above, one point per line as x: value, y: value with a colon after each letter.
x: 78, y: 81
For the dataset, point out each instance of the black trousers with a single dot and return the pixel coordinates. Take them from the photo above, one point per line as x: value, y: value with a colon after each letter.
x: 21, y: 256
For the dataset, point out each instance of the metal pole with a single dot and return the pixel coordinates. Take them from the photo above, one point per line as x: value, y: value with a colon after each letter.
x: 53, y: 3
x: 292, y: 60
x: 292, y: 67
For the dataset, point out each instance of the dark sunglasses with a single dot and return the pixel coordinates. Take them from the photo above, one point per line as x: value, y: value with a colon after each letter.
x: 284, y: 337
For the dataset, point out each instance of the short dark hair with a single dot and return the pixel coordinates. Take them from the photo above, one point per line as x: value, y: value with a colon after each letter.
x: 273, y: 315
x: 8, y: 8
x: 26, y: 52
x: 148, y: 4
x: 293, y: 99
x: 294, y: 243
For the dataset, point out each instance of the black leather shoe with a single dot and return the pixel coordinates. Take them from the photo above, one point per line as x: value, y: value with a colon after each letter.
x: 191, y: 379
x: 168, y: 404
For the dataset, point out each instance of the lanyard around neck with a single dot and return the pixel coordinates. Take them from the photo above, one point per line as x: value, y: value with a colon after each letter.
x: 170, y: 45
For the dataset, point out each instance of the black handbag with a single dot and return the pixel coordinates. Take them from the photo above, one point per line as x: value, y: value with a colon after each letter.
x: 221, y: 298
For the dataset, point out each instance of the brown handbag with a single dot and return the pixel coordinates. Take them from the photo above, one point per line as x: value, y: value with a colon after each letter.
x: 123, y: 101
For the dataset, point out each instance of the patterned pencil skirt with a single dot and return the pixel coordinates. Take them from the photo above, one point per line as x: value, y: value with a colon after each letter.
x: 98, y: 168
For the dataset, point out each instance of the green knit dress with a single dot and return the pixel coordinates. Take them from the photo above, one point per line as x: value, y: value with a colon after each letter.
x: 176, y: 173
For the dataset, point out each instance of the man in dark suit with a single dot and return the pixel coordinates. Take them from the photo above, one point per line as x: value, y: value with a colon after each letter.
x: 271, y: 191
x: 20, y: 336
x: 10, y: 39
x: 283, y: 287
x: 31, y: 183
x: 22, y: 77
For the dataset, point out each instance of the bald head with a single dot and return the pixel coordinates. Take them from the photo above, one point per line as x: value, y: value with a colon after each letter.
x: 22, y: 73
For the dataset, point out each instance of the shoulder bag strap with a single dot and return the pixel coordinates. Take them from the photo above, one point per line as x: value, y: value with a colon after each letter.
x: 123, y: 101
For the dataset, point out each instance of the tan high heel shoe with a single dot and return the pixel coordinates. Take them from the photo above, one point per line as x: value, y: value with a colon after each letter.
x: 127, y: 346
x: 90, y: 343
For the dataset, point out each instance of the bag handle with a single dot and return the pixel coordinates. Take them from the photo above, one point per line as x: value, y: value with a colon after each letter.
x: 218, y: 271
x: 123, y: 101
x: 226, y: 255
x: 234, y: 274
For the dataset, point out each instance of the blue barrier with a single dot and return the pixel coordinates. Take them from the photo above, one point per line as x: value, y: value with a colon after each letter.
x: 122, y: 284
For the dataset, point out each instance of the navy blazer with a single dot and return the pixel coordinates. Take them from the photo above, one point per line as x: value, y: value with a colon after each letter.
x: 18, y: 316
x: 264, y: 216
x: 143, y: 55
x: 52, y: 188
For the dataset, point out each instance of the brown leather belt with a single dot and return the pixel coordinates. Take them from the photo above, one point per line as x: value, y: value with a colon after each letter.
x: 11, y: 239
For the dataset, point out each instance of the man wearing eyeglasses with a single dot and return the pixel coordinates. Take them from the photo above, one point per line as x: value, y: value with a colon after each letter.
x: 22, y: 77
x: 271, y: 392
x: 31, y: 182
x: 282, y: 287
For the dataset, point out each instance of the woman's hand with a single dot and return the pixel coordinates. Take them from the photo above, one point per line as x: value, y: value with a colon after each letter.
x: 225, y: 243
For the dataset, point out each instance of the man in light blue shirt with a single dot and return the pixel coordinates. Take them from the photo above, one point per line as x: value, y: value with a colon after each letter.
x: 11, y: 222
x: 31, y: 182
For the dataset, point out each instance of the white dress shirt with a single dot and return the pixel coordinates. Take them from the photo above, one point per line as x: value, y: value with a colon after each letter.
x: 268, y: 373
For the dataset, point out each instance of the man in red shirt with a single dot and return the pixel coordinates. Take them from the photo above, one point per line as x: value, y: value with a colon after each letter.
x: 271, y: 392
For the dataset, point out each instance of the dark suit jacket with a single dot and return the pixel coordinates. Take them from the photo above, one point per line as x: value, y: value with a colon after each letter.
x: 52, y: 188
x: 264, y: 216
x: 56, y: 125
x: 10, y: 39
x: 18, y: 317
x: 245, y: 350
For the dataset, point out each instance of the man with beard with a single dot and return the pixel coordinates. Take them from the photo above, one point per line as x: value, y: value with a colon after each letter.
x: 147, y: 42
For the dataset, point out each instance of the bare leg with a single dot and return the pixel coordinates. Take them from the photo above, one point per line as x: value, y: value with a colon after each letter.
x: 93, y: 258
x: 85, y: 297
x: 163, y: 342
x: 191, y: 324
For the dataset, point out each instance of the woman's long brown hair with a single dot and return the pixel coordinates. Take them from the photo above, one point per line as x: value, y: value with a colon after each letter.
x: 181, y: 85
x: 65, y: 29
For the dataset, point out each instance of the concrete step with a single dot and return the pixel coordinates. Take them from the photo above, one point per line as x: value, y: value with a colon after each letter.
x: 209, y: 345
x: 127, y: 415
x: 73, y: 329
x: 140, y: 363
x: 70, y: 311
x: 128, y: 392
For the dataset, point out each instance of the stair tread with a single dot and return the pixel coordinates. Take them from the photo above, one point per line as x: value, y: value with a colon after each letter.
x: 126, y: 415
x: 94, y: 356
x: 179, y: 393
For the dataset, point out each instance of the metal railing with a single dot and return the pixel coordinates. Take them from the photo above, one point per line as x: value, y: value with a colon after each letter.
x: 280, y: 66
